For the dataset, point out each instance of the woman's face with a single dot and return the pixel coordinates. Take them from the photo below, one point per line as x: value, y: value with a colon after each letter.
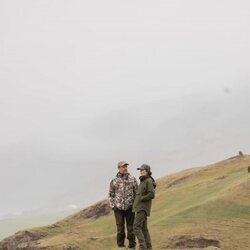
x: 143, y: 172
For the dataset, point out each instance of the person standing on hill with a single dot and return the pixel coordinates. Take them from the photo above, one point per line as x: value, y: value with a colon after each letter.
x: 122, y: 191
x: 142, y: 206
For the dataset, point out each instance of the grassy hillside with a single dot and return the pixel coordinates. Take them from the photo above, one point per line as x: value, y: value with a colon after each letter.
x: 195, y: 208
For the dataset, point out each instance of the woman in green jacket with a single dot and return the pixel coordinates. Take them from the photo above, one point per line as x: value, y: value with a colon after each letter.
x: 142, y: 206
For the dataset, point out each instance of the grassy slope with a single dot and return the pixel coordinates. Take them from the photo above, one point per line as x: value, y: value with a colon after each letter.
x: 211, y: 202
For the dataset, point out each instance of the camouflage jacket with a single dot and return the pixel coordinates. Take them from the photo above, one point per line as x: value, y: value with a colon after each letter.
x: 122, y: 191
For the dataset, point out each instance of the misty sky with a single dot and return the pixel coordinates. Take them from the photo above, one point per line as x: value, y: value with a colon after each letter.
x: 85, y: 84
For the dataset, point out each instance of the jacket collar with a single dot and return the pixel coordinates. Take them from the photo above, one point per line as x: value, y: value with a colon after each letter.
x: 143, y: 178
x: 119, y: 175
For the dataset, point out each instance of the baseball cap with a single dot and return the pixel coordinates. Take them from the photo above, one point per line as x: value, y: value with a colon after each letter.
x: 122, y: 163
x: 144, y: 167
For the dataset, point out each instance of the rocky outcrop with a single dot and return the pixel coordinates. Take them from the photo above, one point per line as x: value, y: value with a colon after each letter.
x: 185, y: 241
x: 24, y: 240
x: 99, y: 209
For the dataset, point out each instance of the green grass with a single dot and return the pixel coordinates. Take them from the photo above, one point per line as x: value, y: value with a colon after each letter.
x: 212, y: 202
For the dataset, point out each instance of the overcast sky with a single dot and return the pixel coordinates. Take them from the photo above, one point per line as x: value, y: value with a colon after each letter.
x: 84, y: 84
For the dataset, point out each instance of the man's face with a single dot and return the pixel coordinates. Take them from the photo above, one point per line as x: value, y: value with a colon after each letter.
x: 123, y: 169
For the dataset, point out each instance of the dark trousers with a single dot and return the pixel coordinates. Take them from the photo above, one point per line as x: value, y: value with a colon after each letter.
x: 121, y: 216
x: 141, y: 230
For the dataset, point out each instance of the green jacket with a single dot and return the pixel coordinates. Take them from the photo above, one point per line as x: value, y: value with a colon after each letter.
x: 144, y: 195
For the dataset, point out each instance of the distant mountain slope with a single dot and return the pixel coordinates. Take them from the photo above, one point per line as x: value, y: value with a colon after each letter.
x: 195, y: 208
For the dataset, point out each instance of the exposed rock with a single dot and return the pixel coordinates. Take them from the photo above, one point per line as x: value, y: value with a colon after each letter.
x: 24, y: 240
x: 184, y: 241
x: 100, y: 209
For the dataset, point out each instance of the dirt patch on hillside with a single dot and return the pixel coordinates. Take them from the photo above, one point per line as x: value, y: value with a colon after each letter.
x: 184, y: 241
x: 221, y: 178
x: 183, y: 179
x: 100, y: 209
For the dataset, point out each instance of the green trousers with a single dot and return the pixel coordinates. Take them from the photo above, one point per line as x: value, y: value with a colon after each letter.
x: 141, y: 230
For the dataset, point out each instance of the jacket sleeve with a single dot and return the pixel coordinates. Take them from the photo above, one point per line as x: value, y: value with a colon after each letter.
x: 111, y: 194
x: 135, y: 187
x: 150, y: 192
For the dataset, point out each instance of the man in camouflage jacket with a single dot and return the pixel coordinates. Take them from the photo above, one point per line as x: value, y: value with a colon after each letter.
x: 122, y: 193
